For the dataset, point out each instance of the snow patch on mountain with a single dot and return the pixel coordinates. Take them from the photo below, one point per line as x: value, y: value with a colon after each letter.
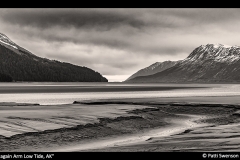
x: 223, y: 45
x: 217, y: 52
x: 5, y: 40
x: 8, y: 44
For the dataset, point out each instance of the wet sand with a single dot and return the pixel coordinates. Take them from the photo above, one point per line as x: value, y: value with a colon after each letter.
x: 176, y: 126
x: 148, y: 125
x: 25, y: 118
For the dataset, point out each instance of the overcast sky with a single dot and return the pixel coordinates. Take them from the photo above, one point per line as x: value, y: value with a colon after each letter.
x: 119, y: 42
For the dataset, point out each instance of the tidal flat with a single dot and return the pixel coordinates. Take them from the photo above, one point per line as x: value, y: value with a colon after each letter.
x: 188, y: 122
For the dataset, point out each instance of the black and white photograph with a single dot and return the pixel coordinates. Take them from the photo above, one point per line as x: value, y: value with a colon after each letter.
x: 120, y: 80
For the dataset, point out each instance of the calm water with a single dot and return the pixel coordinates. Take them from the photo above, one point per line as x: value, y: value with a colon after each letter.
x: 65, y: 93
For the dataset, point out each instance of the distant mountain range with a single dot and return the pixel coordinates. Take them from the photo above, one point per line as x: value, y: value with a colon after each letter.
x: 207, y: 63
x: 18, y: 64
x: 154, y: 68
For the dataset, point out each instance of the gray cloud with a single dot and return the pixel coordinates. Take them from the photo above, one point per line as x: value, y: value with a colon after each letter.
x: 119, y: 41
x: 116, y: 28
x: 101, y: 20
x: 106, y: 19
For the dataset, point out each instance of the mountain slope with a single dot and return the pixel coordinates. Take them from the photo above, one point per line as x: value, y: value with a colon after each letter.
x: 207, y: 63
x: 154, y: 68
x: 21, y: 65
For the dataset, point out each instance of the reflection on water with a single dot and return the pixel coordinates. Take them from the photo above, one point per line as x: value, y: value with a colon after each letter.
x: 67, y: 98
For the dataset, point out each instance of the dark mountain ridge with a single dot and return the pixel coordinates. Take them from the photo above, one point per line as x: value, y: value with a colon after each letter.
x: 154, y: 68
x: 18, y: 64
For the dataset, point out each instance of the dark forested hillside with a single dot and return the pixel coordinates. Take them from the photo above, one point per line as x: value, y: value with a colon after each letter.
x: 21, y: 65
x: 5, y: 78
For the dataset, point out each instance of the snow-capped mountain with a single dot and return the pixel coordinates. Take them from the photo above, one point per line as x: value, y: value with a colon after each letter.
x: 7, y: 43
x: 5, y: 40
x: 207, y: 63
x: 18, y: 64
x: 217, y: 52
x: 154, y: 68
